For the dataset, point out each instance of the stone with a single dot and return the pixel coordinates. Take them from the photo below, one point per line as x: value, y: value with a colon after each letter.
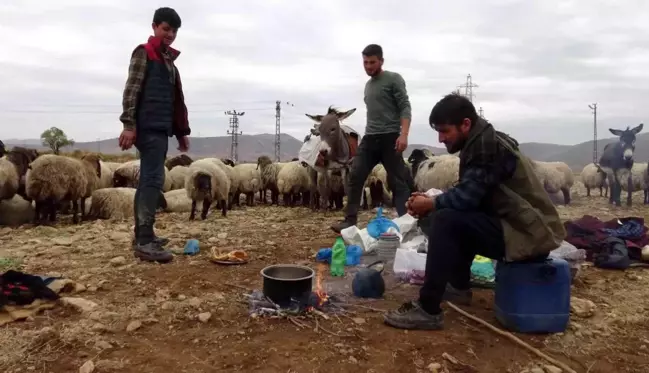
x: 582, y: 307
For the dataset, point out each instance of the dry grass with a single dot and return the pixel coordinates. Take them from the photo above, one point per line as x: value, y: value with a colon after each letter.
x: 166, y: 300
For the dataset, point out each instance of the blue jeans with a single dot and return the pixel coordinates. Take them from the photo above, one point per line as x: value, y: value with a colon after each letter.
x: 153, y: 148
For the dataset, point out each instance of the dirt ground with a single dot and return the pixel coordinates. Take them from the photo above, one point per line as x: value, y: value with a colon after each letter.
x: 162, y: 304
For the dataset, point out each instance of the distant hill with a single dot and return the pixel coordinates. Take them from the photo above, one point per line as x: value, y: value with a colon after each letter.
x: 253, y: 146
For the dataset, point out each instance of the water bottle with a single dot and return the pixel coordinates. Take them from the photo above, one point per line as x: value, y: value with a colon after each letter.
x: 338, y: 257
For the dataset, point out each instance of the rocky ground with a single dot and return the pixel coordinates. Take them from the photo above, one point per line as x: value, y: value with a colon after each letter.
x: 191, y: 316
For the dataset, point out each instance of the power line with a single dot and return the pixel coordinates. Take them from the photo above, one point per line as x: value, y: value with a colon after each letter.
x: 234, y: 132
x: 278, y: 117
x: 593, y: 108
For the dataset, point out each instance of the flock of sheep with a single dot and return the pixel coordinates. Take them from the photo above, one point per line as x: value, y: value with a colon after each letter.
x: 105, y: 190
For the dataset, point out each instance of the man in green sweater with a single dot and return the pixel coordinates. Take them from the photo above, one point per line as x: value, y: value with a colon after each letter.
x: 386, y: 136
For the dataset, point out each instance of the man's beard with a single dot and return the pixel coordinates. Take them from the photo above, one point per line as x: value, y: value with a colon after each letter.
x: 455, y: 147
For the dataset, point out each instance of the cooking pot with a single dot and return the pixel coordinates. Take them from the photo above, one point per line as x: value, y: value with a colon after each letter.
x: 283, y: 282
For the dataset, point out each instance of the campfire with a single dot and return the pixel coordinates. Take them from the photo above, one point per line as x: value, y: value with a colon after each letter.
x: 318, y: 301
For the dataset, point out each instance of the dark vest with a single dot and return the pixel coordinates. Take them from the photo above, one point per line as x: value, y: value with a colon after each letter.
x: 156, y: 104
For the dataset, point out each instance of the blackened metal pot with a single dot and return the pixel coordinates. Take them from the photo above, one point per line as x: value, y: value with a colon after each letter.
x: 283, y: 282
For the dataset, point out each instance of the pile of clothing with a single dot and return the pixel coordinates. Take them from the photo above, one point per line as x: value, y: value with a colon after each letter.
x: 614, y: 244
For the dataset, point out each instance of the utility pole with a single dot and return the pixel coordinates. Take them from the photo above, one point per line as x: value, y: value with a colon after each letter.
x: 593, y: 108
x: 278, y: 118
x: 234, y: 132
x: 468, y: 87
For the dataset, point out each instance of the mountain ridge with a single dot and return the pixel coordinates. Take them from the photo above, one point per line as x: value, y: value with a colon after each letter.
x: 252, y: 146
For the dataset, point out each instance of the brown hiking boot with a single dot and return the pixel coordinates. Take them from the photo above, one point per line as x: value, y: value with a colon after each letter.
x: 152, y: 252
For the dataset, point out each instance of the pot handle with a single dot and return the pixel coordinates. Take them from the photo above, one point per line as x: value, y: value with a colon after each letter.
x: 375, y: 263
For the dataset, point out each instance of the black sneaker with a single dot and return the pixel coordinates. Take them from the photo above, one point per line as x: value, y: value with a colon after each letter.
x: 411, y: 316
x: 337, y: 227
x: 160, y: 241
x: 152, y: 252
x: 461, y: 297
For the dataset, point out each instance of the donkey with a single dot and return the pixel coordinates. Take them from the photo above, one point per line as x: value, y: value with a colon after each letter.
x: 339, y: 144
x: 617, y: 160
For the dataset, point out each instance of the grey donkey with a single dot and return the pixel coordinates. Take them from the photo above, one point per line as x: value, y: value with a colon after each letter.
x: 617, y: 160
x: 338, y: 147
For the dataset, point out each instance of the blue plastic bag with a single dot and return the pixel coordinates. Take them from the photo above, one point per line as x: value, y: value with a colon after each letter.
x: 380, y: 224
x: 353, y: 257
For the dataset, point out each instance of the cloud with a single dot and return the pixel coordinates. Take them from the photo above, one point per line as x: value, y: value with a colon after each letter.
x: 537, y: 65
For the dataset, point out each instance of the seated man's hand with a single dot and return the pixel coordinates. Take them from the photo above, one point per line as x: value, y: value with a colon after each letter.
x: 419, y: 204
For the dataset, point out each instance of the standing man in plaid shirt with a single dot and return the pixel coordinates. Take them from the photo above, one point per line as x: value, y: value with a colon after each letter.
x: 154, y: 110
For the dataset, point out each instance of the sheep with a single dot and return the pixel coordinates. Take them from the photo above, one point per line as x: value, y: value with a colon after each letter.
x: 232, y: 176
x: 128, y: 176
x: 207, y: 182
x: 377, y: 183
x: 112, y: 166
x: 437, y: 171
x: 179, y: 160
x: 53, y: 178
x: 106, y: 175
x: 115, y: 203
x: 177, y: 200
x: 556, y: 177
x: 294, y: 178
x: 269, y: 172
x: 592, y: 176
x: 228, y: 162
x: 637, y: 179
x: 16, y: 211
x: 337, y: 188
x: 178, y: 174
x: 249, y: 182
x: 9, y: 179
x: 21, y: 158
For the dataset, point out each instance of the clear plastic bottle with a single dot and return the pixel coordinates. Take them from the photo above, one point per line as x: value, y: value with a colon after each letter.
x: 338, y: 257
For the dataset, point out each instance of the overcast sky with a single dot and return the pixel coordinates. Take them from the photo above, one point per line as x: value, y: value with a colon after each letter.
x: 538, y: 64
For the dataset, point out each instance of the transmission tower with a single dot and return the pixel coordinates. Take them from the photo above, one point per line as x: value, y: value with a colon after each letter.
x: 593, y: 108
x: 481, y: 112
x: 234, y: 132
x: 278, y: 118
x: 468, y: 87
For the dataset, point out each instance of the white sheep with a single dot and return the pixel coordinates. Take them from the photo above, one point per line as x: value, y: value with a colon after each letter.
x: 16, y: 211
x: 294, y: 179
x: 249, y: 182
x: 128, y: 176
x: 106, y: 180
x: 115, y: 203
x: 232, y: 176
x: 52, y: 179
x: 592, y: 176
x: 207, y: 182
x: 639, y: 179
x: 439, y: 171
x: 178, y: 175
x: 177, y: 200
x: 269, y: 172
x: 377, y: 184
x: 9, y: 179
x: 555, y: 177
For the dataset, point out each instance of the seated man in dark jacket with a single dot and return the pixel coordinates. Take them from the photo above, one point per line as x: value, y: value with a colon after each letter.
x: 499, y: 209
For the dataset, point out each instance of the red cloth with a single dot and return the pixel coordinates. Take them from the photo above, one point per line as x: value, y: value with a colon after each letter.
x: 153, y: 49
x: 586, y: 233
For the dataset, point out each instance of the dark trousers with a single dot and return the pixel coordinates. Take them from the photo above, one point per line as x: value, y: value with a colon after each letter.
x: 372, y: 150
x: 454, y: 239
x: 153, y: 148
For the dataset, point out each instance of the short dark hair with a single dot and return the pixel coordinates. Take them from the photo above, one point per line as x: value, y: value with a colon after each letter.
x: 166, y: 14
x: 452, y: 109
x: 373, y: 50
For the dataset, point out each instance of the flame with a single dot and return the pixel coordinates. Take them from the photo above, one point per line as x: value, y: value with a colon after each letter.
x: 319, y: 291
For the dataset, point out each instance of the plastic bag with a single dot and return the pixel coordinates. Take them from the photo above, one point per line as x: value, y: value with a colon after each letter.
x: 380, y: 224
